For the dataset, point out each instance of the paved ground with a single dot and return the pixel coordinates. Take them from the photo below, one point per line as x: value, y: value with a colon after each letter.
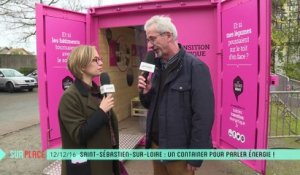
x: 29, y: 139
x: 20, y: 131
x: 18, y: 110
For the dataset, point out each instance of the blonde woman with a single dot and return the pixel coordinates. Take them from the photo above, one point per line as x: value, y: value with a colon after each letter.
x: 83, y: 115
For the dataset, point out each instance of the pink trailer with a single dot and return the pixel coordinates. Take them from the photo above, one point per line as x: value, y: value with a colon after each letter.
x: 231, y: 36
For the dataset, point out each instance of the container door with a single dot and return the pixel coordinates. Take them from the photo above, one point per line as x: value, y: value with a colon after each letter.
x: 58, y: 32
x: 244, y: 76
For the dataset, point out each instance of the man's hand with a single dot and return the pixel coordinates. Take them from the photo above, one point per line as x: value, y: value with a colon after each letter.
x: 191, y: 168
x: 143, y: 84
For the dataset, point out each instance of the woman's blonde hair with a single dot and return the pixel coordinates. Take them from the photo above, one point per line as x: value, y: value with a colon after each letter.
x: 79, y: 58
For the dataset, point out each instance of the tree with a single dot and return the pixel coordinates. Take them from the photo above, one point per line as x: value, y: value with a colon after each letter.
x: 286, y: 37
x: 19, y: 15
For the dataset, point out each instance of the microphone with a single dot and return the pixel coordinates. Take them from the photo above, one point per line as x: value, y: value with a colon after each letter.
x: 148, y: 65
x: 106, y: 86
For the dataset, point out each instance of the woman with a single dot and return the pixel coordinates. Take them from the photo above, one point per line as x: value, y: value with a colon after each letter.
x: 83, y: 115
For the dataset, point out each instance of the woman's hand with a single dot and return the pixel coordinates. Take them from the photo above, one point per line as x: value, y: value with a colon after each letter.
x: 107, y: 103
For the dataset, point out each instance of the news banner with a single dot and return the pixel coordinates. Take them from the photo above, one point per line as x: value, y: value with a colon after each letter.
x: 157, y: 154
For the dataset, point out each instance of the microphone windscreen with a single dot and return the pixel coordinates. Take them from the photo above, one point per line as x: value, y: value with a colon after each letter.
x: 104, y: 78
x: 150, y: 56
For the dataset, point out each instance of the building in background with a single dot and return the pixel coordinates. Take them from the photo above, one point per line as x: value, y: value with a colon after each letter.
x: 14, y: 51
x: 17, y: 58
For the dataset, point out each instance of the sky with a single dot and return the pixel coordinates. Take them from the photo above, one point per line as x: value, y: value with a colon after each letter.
x: 9, y: 39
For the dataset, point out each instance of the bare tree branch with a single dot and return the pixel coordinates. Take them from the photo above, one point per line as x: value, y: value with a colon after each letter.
x: 20, y: 24
x: 3, y: 2
x: 53, y: 2
x: 28, y: 35
x: 74, y: 5
x: 29, y: 7
x: 19, y: 15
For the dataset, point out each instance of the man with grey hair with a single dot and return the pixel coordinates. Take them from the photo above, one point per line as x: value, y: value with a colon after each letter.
x: 179, y: 97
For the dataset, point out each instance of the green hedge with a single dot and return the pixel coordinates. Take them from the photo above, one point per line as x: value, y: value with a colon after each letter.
x: 26, y: 70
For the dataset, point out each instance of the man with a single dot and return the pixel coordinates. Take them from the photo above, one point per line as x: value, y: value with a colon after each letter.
x: 179, y: 97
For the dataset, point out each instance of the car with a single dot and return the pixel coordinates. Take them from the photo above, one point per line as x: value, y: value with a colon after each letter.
x: 33, y: 75
x: 11, y: 80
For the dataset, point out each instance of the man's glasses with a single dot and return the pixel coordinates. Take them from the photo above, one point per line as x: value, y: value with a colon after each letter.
x: 97, y: 60
x: 152, y: 39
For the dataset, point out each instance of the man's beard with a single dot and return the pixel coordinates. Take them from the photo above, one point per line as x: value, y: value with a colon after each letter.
x: 158, y: 53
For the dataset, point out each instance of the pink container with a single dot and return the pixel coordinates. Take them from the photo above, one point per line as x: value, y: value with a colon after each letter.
x: 231, y: 36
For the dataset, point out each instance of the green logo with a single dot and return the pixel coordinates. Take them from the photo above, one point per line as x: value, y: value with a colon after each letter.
x: 2, y: 154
